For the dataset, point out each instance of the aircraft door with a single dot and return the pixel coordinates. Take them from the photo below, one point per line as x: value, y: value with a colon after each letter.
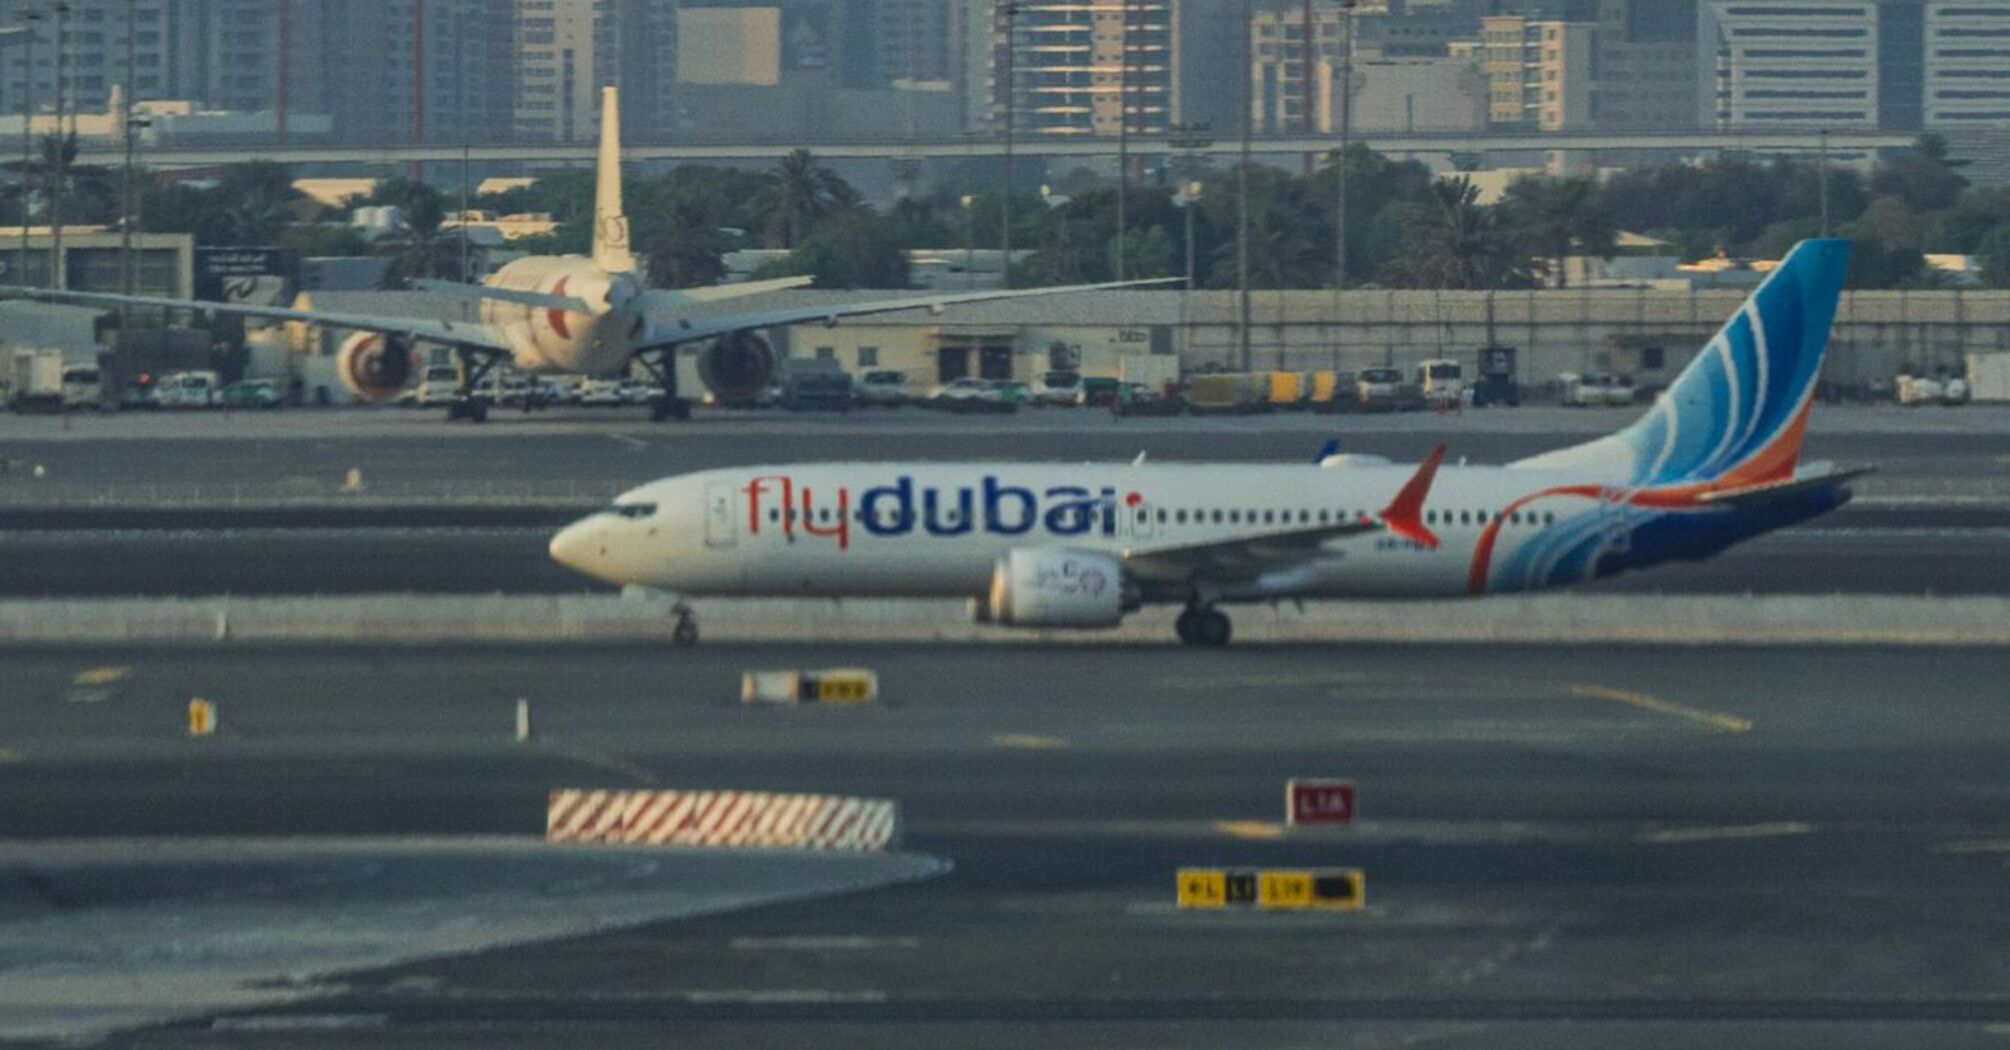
x: 721, y: 523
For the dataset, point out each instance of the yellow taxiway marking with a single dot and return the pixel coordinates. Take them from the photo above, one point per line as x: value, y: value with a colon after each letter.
x: 1727, y: 723
x: 1250, y: 829
x: 1745, y: 831
x: 102, y: 675
x: 1026, y: 742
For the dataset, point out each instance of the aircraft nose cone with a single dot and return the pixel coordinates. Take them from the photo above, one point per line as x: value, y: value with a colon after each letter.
x: 578, y: 547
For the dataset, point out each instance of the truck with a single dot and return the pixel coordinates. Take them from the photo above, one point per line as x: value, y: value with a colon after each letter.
x: 1383, y: 390
x: 1285, y: 390
x: 1497, y: 384
x: 35, y: 379
x: 1158, y: 371
x: 1989, y: 376
x: 1225, y: 393
x: 815, y: 385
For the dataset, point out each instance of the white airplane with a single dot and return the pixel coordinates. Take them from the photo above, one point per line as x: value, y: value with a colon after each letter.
x: 1714, y: 462
x: 570, y: 315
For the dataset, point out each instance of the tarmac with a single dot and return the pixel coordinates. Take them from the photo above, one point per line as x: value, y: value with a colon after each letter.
x: 1564, y: 847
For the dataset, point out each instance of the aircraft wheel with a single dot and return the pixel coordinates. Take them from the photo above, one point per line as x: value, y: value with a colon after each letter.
x: 1211, y: 629
x: 1184, y: 627
x: 478, y: 412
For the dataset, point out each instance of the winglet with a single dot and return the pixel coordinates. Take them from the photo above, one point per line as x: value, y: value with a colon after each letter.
x: 1405, y: 514
x: 1330, y: 448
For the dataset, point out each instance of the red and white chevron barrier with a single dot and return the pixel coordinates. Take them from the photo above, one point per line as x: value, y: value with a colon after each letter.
x: 722, y: 819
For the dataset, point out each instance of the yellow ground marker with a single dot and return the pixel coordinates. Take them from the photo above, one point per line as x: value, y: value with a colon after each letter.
x: 201, y: 718
x: 1250, y: 829
x: 1026, y: 742
x: 1726, y: 723
x: 101, y: 676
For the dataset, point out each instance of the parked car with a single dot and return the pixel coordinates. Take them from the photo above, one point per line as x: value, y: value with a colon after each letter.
x: 971, y: 394
x: 438, y: 387
x: 187, y: 390
x: 1597, y: 390
x: 1098, y: 391
x: 1058, y: 388
x: 1383, y: 390
x: 1012, y: 392
x: 83, y: 388
x: 882, y: 389
x: 1146, y: 399
x: 636, y: 392
x: 808, y: 389
x: 253, y: 393
x: 600, y: 393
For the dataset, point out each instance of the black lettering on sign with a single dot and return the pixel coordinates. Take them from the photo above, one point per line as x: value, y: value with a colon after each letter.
x: 1333, y: 887
x: 1242, y: 887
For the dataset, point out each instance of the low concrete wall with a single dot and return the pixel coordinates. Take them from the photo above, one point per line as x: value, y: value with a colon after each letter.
x: 521, y: 620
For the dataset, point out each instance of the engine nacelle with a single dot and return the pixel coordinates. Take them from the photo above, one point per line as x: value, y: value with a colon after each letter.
x: 374, y: 366
x: 1053, y: 587
x: 738, y: 366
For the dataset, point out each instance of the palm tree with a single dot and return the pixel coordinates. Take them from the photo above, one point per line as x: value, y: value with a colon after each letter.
x: 804, y: 194
x: 1556, y: 217
x: 686, y: 249
x: 1455, y: 242
x: 420, y: 249
x: 90, y: 192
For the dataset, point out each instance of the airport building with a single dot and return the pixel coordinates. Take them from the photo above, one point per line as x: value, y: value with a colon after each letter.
x: 1967, y: 64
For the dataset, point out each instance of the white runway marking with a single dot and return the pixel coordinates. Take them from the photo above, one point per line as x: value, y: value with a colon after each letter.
x: 821, y: 944
x: 1674, y: 836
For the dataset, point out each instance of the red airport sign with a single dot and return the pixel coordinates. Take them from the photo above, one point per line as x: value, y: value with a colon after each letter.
x: 1316, y: 802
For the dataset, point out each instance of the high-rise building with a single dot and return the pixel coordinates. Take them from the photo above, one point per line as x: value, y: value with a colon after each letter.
x: 165, y: 38
x: 407, y: 70
x: 635, y: 45
x: 912, y: 40
x: 1539, y: 74
x: 1083, y: 67
x: 1966, y: 64
x: 1809, y: 64
x: 1644, y: 69
x: 557, y: 79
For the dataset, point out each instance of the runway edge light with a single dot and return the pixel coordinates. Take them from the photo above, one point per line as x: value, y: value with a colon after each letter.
x: 201, y: 718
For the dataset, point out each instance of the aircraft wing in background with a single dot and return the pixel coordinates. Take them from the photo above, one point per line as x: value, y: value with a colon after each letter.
x: 451, y: 333
x: 664, y: 332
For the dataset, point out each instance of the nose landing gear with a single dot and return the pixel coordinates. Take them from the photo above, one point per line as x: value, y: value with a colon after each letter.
x: 685, y: 632
x: 1203, y: 627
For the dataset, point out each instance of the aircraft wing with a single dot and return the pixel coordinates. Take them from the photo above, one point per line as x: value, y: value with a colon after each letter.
x: 1823, y: 477
x: 674, y: 331
x: 1240, y: 557
x: 452, y: 333
x: 667, y: 298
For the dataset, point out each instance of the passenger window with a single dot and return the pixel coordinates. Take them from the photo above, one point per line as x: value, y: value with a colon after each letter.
x: 1430, y: 517
x: 1235, y: 517
x: 1549, y: 518
x: 1179, y: 516
x: 1217, y: 517
x: 1324, y: 517
x: 1269, y: 517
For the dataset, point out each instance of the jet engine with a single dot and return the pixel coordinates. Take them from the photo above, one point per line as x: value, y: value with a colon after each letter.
x: 1055, y: 588
x: 738, y: 366
x: 374, y: 366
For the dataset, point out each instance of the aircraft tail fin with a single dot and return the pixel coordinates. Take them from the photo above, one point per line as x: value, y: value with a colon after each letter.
x: 1735, y: 417
x: 610, y: 220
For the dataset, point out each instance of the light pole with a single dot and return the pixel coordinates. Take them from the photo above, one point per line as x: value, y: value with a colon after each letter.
x: 969, y: 246
x: 60, y: 162
x: 1346, y: 140
x: 128, y: 269
x: 1242, y: 180
x: 1188, y: 200
x: 1123, y: 135
x: 31, y: 26
x: 1009, y: 10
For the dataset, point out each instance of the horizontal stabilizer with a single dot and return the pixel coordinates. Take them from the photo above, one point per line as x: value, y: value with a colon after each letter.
x: 1780, y: 489
x: 535, y: 300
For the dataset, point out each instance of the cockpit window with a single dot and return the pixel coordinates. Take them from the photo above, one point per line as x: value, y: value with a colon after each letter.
x: 633, y: 511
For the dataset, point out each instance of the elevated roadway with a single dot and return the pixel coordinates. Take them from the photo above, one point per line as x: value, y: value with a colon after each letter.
x: 963, y: 148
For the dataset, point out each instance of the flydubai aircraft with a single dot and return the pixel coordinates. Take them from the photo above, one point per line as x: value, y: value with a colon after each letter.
x: 1714, y: 462
x: 569, y: 314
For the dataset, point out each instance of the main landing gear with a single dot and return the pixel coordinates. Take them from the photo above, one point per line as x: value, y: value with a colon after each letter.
x: 1203, y: 627
x: 664, y: 403
x: 684, y: 634
x: 467, y: 403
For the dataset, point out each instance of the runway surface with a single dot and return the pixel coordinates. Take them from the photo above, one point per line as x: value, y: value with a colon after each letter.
x: 1825, y: 557
x: 586, y: 455
x: 1564, y: 847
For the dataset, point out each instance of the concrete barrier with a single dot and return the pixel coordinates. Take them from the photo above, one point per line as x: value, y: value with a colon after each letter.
x: 587, y: 619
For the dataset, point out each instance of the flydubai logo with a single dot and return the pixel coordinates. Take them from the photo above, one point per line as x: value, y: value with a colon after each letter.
x: 904, y: 508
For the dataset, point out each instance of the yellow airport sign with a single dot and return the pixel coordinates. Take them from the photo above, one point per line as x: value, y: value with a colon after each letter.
x: 201, y: 718
x: 1273, y: 889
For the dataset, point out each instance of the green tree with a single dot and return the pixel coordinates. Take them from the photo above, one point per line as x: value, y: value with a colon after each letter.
x: 1994, y: 256
x: 1556, y: 218
x: 90, y: 192
x: 420, y: 249
x: 1923, y: 177
x: 850, y: 250
x: 1456, y: 242
x: 685, y: 246
x: 805, y: 193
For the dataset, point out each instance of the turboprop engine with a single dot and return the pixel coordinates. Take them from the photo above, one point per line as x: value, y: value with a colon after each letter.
x: 738, y: 367
x: 374, y: 366
x: 1055, y: 588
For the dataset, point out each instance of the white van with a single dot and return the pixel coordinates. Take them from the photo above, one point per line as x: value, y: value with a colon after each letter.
x: 83, y: 387
x: 1443, y: 381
